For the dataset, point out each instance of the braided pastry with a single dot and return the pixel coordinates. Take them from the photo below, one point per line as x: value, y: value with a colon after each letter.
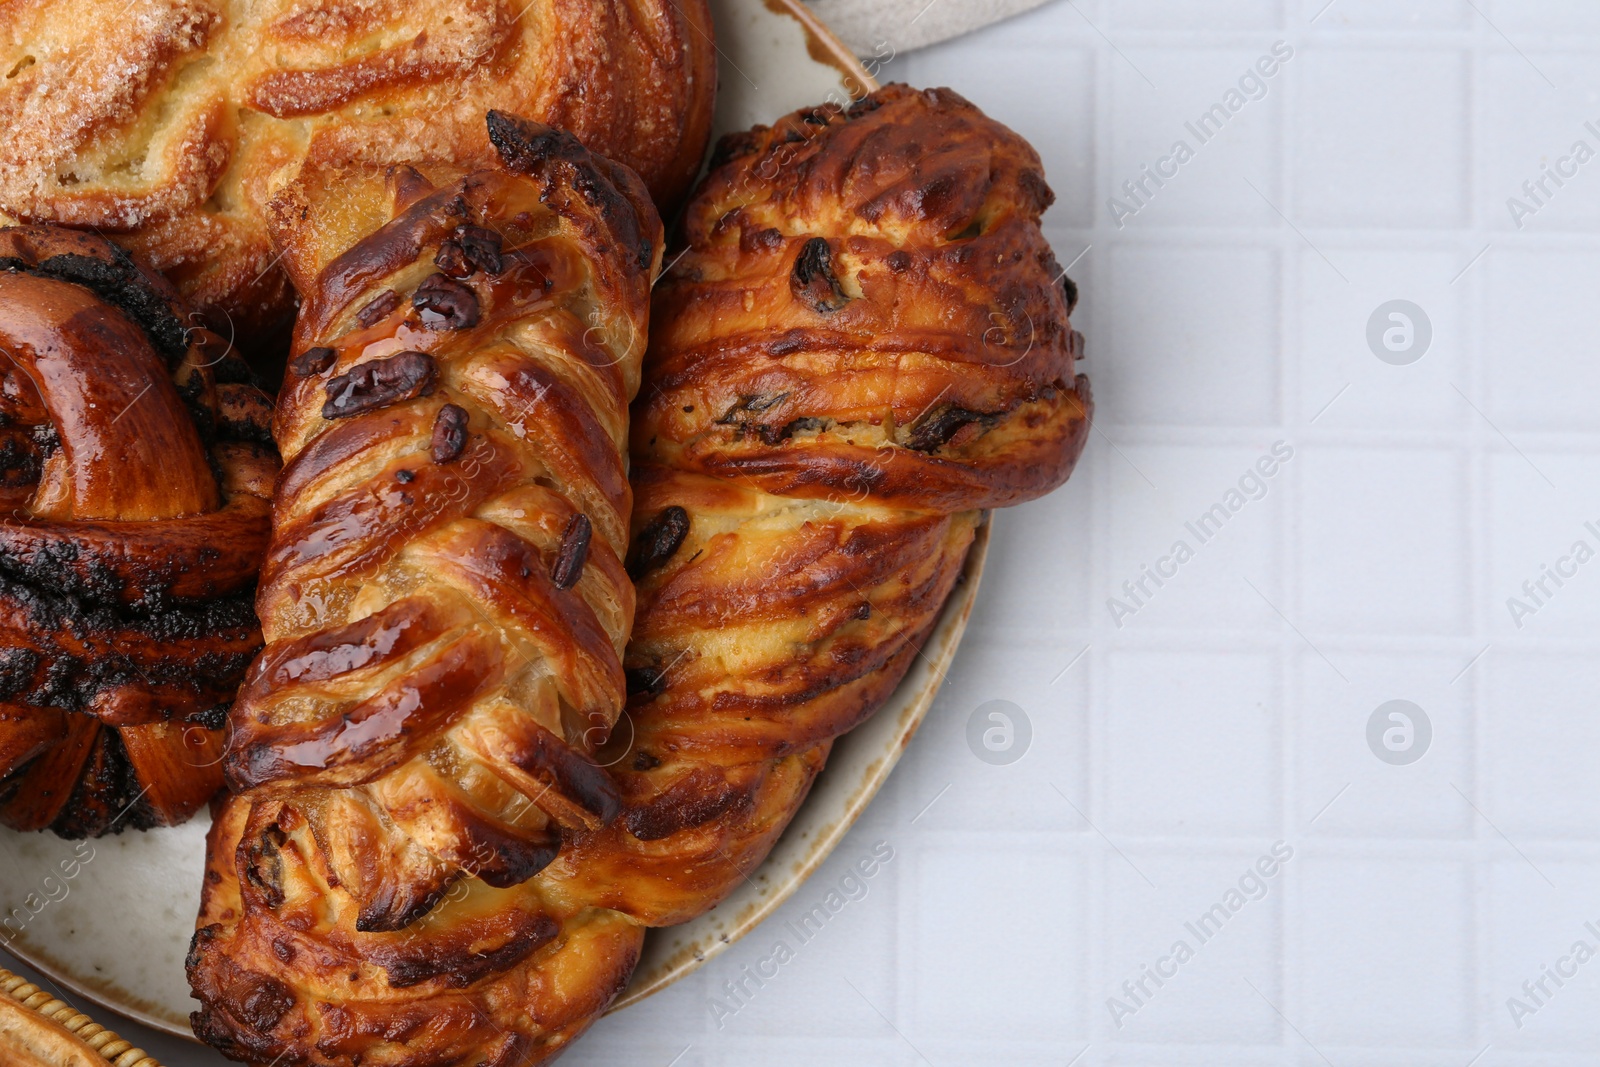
x: 167, y: 123
x: 866, y: 343
x: 445, y: 607
x: 134, y: 482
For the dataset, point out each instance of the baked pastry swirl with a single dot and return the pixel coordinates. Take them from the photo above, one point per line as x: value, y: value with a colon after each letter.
x: 135, y: 470
x: 168, y: 123
x: 445, y: 607
x: 865, y: 345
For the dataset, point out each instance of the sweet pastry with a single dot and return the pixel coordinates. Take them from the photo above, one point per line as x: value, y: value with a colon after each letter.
x: 445, y: 607
x: 135, y: 472
x: 865, y: 345
x: 169, y: 123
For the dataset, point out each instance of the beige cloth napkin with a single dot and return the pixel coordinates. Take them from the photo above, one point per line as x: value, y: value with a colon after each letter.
x: 867, y: 25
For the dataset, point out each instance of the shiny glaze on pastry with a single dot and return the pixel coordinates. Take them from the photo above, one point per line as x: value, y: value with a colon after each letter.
x: 135, y: 469
x: 445, y: 607
x: 866, y: 344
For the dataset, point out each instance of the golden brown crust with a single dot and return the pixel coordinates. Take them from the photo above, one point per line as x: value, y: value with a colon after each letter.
x: 135, y: 486
x: 445, y: 608
x: 803, y: 500
x: 866, y: 342
x: 170, y: 123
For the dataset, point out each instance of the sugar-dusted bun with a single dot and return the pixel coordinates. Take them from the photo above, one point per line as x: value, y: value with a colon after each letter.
x: 169, y: 124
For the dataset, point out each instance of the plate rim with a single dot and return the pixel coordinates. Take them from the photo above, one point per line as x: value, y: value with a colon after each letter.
x: 823, y: 44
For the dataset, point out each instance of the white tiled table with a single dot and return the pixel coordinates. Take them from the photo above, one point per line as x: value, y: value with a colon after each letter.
x: 1230, y: 710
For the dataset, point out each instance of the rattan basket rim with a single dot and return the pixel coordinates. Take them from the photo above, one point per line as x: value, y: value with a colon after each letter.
x: 112, y: 1048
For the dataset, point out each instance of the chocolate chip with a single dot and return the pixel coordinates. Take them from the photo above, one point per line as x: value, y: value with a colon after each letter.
x: 748, y: 404
x: 804, y: 424
x: 378, y: 383
x: 1069, y: 290
x: 313, y: 361
x: 445, y: 303
x: 787, y: 343
x: 482, y: 247
x: 813, y: 282
x: 937, y: 427
x: 449, y: 434
x: 645, y: 680
x: 643, y: 761
x: 745, y: 414
x: 452, y: 260
x: 865, y: 106
x: 899, y: 261
x: 263, y: 1003
x: 568, y: 564
x: 657, y: 541
x: 471, y: 248
x: 405, y: 477
x: 264, y: 868
x: 377, y: 308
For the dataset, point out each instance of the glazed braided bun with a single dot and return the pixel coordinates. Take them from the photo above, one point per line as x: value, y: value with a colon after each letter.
x: 135, y: 470
x: 866, y: 344
x: 169, y: 123
x: 445, y: 608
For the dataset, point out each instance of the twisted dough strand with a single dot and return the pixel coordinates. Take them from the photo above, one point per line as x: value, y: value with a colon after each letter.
x: 134, y: 475
x: 866, y: 343
x: 445, y: 608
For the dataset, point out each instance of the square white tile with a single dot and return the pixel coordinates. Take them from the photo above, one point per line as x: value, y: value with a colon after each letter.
x: 1386, y: 953
x: 1199, y: 548
x: 1542, y: 978
x: 1381, y: 137
x: 1195, y: 136
x: 1368, y: 362
x: 1541, y: 737
x: 1180, y: 962
x: 1383, y: 541
x: 1042, y: 695
x: 1403, y: 785
x: 984, y: 920
x: 1541, y: 367
x: 1181, y: 353
x: 1193, y: 743
x: 1544, y: 545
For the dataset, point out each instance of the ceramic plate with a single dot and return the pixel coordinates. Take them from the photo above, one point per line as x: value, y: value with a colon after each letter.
x: 111, y: 919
